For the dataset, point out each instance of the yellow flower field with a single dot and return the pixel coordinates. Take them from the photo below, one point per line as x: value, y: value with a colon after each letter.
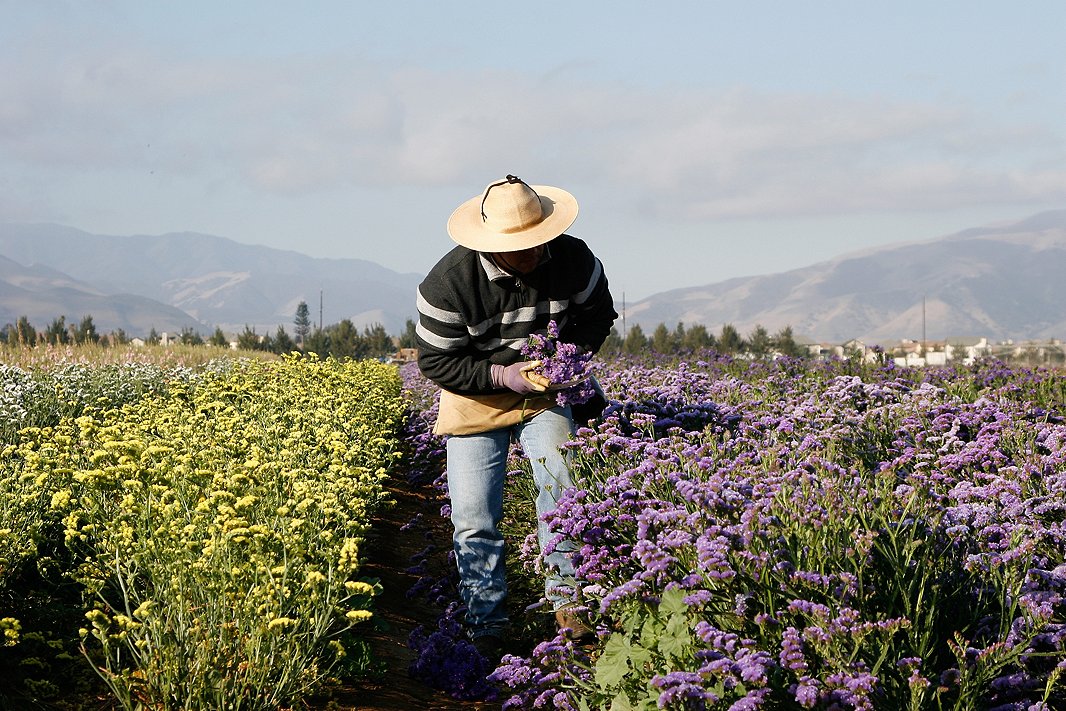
x: 215, y: 527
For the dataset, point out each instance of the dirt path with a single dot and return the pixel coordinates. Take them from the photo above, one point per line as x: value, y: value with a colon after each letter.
x: 389, y: 549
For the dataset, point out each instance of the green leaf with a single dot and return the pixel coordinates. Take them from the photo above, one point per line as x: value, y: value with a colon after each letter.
x: 621, y: 703
x: 651, y: 631
x: 639, y: 655
x: 676, y: 638
x: 613, y: 664
x: 673, y: 603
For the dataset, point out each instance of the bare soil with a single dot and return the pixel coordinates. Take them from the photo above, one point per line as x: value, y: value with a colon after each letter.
x: 388, y: 550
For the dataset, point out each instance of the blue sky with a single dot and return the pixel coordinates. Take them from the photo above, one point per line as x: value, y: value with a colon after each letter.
x: 703, y: 140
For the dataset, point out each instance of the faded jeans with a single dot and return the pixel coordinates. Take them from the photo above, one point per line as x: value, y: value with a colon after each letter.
x: 477, y: 467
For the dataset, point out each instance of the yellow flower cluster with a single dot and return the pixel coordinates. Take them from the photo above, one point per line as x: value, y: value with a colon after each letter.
x: 219, y: 525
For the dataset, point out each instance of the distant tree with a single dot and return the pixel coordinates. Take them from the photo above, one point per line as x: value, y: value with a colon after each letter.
x: 729, y: 341
x: 85, y: 332
x: 266, y: 343
x: 697, y: 338
x: 152, y: 337
x: 302, y: 324
x: 662, y: 341
x: 759, y: 342
x: 249, y: 340
x: 378, y: 343
x: 118, y: 337
x: 25, y: 333
x: 785, y: 343
x: 636, y: 342
x: 408, y: 339
x: 57, y: 331
x: 283, y: 343
x: 613, y: 342
x: 318, y: 341
x: 190, y: 337
x: 345, y: 341
x: 679, y: 335
x: 218, y: 338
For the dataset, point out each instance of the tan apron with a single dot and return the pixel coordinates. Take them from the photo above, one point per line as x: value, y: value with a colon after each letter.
x: 472, y: 414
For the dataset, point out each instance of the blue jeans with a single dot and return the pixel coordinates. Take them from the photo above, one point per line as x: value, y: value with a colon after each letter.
x: 477, y: 467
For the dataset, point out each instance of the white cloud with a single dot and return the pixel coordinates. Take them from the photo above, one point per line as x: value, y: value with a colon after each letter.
x: 300, y: 126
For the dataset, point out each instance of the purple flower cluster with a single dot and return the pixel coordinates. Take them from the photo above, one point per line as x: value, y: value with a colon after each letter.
x: 425, y: 451
x: 447, y: 661
x: 543, y: 674
x: 854, y: 514
x: 561, y: 363
x: 842, y: 537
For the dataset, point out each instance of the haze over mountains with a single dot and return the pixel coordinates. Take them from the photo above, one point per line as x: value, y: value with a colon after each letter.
x: 189, y: 280
x: 1002, y: 281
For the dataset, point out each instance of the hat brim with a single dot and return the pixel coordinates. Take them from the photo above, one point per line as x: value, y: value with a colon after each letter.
x: 466, y: 227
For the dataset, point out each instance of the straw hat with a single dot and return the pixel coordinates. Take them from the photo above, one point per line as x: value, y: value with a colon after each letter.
x: 510, y: 216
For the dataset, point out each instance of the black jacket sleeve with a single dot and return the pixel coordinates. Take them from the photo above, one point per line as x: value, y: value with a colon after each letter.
x: 445, y: 353
x: 591, y: 305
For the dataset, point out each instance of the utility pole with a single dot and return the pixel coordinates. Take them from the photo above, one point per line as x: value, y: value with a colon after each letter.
x: 319, y: 309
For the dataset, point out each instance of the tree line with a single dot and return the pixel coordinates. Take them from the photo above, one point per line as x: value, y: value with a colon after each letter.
x: 759, y: 343
x: 345, y: 340
x: 340, y: 340
x: 59, y: 332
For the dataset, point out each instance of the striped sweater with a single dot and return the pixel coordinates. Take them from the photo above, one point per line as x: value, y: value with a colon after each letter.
x: 472, y: 314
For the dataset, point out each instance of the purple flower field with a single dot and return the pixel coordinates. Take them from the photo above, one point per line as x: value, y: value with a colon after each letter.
x: 799, y: 535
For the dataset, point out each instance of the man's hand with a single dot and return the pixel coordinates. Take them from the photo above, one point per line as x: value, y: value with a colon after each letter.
x: 540, y: 381
x: 519, y: 377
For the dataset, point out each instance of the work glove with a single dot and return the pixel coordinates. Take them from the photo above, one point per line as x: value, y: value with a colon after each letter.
x: 519, y: 377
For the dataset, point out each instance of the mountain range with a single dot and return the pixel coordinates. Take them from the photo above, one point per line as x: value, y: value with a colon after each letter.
x: 187, y: 280
x: 998, y: 281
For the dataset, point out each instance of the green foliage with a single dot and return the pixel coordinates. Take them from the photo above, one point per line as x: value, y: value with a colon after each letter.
x: 218, y: 338
x: 302, y: 323
x: 283, y: 343
x: 697, y: 337
x: 23, y: 333
x: 785, y: 343
x: 249, y: 340
x: 636, y: 342
x: 86, y: 331
x: 759, y: 342
x: 657, y: 638
x: 56, y: 332
x: 613, y: 343
x: 408, y: 339
x: 662, y: 341
x: 729, y: 340
x: 189, y: 337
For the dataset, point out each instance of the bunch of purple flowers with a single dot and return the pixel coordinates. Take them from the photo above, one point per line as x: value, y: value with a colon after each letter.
x: 815, y: 535
x: 561, y: 363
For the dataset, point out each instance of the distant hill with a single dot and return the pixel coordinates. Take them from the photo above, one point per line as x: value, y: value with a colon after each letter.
x: 187, y: 280
x: 42, y: 294
x: 1002, y: 281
